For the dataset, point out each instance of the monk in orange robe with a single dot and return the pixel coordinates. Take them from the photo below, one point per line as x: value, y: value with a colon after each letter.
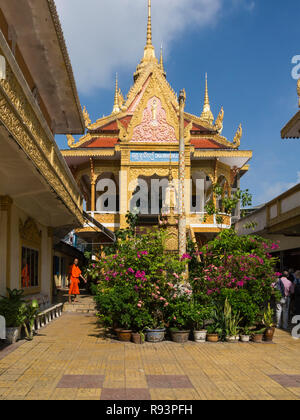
x: 75, y: 275
x: 25, y: 276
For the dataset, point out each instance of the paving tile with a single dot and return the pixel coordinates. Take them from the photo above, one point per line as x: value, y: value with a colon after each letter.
x: 81, y: 381
x: 125, y: 394
x: 69, y: 361
x: 168, y: 381
x: 288, y: 381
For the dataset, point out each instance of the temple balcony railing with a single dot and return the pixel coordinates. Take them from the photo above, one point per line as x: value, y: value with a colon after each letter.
x: 203, y: 221
x: 196, y: 220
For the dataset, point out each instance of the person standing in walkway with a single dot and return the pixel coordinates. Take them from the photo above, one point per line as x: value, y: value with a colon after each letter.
x: 286, y: 288
x: 75, y: 275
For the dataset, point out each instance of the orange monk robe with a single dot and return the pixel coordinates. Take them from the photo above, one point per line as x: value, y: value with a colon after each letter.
x: 75, y: 273
x: 25, y: 276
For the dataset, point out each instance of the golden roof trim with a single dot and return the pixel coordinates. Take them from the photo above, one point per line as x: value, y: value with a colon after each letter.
x: 223, y: 153
x: 66, y: 57
x: 89, y: 152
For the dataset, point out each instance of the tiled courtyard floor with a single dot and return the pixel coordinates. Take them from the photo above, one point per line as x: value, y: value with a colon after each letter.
x: 68, y: 360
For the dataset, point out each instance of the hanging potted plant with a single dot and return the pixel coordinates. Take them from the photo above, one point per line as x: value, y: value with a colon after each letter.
x: 269, y: 324
x: 13, y: 309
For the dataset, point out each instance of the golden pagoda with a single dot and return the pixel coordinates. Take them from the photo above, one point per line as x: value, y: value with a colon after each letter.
x: 131, y: 147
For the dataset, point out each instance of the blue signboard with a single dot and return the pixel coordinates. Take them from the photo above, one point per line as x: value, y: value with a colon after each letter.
x: 154, y: 157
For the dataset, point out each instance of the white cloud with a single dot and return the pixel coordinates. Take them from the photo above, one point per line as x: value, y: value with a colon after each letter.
x: 271, y: 191
x: 106, y: 36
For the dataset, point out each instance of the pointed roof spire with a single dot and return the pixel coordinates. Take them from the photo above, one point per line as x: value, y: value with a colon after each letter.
x: 116, y: 108
x: 207, y: 115
x: 161, y: 62
x: 149, y: 51
x: 149, y: 26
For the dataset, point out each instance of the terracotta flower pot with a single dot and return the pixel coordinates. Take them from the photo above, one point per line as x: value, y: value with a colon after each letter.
x: 257, y: 338
x: 124, y: 335
x: 137, y: 338
x: 180, y: 336
x: 269, y: 334
x: 212, y: 338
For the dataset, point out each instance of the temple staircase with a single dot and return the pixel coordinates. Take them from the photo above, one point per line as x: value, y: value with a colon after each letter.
x: 85, y: 304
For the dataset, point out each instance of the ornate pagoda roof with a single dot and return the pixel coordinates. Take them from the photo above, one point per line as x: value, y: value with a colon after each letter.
x: 150, y: 113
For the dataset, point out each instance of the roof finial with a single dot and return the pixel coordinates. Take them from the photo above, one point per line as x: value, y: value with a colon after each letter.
x: 161, y: 63
x: 207, y: 115
x: 149, y: 27
x: 116, y: 108
x: 149, y: 49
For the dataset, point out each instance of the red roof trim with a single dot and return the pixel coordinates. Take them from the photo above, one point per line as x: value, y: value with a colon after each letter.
x: 206, y: 144
x: 102, y: 142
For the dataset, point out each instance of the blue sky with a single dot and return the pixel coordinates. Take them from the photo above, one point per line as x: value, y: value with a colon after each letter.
x: 245, y: 46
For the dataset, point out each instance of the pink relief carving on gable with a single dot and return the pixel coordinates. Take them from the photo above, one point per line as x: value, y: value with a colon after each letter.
x: 154, y: 127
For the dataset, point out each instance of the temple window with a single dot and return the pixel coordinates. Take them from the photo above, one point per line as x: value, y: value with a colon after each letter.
x: 30, y: 264
x: 30, y: 268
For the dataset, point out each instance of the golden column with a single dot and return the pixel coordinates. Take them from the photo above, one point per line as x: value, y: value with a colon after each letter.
x: 181, y: 177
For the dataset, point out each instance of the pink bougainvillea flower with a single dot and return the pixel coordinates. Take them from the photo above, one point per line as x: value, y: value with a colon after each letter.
x: 130, y: 270
x: 186, y: 257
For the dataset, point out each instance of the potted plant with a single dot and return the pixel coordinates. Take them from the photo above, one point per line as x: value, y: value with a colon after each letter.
x: 214, y: 332
x: 257, y: 335
x: 231, y: 324
x: 31, y: 312
x: 200, y: 314
x: 138, y: 337
x: 269, y: 324
x: 139, y: 323
x: 180, y: 320
x: 245, y: 334
x: 156, y: 334
x: 13, y: 309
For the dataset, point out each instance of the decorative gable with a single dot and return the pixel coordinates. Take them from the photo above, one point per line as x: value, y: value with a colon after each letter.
x: 154, y: 119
